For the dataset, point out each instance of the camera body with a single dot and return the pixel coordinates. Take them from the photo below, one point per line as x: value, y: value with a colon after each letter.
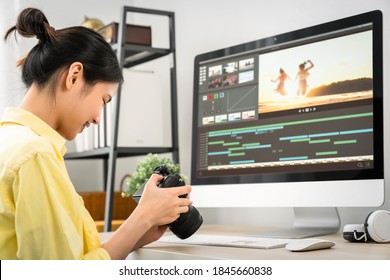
x: 187, y: 223
x: 170, y: 179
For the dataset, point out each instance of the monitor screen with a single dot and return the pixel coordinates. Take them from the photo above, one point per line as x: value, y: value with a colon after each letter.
x: 303, y: 106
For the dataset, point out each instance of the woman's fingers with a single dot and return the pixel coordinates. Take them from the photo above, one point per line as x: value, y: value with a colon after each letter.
x: 183, y: 209
x: 155, y: 179
x: 183, y: 190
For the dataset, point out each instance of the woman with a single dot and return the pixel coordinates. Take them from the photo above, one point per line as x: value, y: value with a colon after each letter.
x: 70, y: 75
x: 283, y: 76
x: 302, y: 75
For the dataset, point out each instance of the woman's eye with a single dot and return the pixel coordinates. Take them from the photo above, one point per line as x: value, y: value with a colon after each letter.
x: 106, y: 100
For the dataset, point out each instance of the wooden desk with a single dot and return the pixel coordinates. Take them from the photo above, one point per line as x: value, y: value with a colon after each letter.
x: 343, y: 250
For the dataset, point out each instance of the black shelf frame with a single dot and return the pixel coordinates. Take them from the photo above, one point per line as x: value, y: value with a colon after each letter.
x: 103, y: 153
x: 129, y: 56
x: 135, y: 54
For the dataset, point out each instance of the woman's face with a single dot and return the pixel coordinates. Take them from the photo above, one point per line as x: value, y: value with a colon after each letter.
x: 85, y: 108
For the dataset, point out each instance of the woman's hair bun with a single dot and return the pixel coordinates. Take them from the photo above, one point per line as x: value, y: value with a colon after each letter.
x: 32, y: 22
x: 58, y: 49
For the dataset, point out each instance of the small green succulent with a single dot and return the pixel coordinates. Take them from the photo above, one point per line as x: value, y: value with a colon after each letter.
x: 145, y: 169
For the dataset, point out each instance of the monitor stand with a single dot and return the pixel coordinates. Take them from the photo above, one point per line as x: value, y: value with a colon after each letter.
x: 309, y: 222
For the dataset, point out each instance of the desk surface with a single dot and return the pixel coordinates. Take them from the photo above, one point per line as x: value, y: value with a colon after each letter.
x: 343, y: 250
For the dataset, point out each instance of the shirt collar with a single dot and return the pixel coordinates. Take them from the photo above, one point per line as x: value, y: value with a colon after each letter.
x: 28, y: 119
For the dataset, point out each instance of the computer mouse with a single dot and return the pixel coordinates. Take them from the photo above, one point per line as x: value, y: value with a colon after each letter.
x: 302, y: 245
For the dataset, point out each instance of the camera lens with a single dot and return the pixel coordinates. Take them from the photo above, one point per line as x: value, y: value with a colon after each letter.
x: 187, y: 223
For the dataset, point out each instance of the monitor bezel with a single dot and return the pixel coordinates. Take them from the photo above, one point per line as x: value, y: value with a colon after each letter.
x: 372, y: 17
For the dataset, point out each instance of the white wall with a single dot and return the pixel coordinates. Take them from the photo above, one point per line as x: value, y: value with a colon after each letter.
x: 205, y: 25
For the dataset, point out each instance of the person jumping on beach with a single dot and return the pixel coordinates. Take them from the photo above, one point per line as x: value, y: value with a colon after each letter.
x: 302, y: 75
x: 283, y: 76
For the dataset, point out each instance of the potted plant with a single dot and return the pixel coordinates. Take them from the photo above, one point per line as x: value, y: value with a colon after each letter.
x: 145, y: 169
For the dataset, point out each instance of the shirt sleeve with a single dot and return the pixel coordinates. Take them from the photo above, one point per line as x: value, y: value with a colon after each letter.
x: 51, y: 222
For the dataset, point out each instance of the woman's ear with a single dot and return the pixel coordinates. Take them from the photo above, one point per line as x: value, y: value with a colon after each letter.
x: 74, y: 74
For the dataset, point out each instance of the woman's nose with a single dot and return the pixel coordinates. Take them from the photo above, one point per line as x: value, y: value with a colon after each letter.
x: 96, y: 120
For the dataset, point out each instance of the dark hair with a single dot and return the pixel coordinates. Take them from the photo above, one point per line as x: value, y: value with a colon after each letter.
x: 58, y: 49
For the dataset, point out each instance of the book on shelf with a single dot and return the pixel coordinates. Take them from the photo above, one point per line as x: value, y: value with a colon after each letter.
x: 145, y: 112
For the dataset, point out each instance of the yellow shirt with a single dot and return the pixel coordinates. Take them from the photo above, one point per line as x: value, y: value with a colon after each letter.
x: 41, y: 214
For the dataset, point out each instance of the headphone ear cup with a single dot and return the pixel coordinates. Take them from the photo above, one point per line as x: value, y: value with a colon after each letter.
x: 377, y: 226
x: 366, y: 226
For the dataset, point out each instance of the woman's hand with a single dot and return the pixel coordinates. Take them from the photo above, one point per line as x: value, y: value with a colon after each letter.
x: 161, y: 206
x: 156, y: 208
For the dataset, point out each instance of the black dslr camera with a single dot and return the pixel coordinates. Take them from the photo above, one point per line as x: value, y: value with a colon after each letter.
x: 187, y: 223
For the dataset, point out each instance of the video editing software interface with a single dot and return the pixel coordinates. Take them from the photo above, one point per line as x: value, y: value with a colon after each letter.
x: 301, y: 106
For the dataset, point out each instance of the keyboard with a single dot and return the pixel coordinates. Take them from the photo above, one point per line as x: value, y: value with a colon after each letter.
x: 229, y: 241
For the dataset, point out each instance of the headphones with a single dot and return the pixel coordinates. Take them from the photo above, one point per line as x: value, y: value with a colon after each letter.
x: 375, y: 228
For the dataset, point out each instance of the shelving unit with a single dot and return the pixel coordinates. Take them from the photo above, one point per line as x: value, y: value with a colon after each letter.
x: 130, y: 56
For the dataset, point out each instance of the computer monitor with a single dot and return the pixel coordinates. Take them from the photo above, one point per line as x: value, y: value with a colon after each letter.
x: 293, y: 120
